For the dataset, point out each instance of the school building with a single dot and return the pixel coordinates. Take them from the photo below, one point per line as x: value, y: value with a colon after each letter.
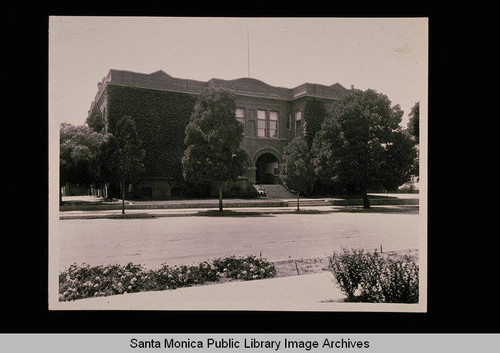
x: 161, y: 105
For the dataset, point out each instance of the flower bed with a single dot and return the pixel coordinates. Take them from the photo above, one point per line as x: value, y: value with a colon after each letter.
x: 78, y: 282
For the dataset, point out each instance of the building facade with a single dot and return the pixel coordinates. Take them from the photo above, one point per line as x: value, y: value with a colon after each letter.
x: 161, y: 104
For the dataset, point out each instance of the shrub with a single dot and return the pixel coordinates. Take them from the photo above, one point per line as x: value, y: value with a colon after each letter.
x: 399, y: 280
x: 168, y: 277
x: 85, y: 281
x: 248, y: 268
x: 370, y: 286
x: 347, y: 268
x: 79, y: 282
x: 371, y: 277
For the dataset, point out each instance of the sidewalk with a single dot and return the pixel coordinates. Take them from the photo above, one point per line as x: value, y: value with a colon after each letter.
x: 309, y: 292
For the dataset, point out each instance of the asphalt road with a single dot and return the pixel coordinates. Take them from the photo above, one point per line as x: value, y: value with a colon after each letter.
x: 188, y: 240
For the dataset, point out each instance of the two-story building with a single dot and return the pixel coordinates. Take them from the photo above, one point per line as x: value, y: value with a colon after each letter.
x: 161, y: 105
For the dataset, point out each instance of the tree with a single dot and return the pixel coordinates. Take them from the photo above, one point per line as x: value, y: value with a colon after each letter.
x: 297, y: 172
x: 213, y: 138
x: 80, y: 148
x: 413, y: 129
x: 414, y: 122
x: 314, y: 114
x: 122, y: 156
x: 96, y: 121
x: 363, y: 144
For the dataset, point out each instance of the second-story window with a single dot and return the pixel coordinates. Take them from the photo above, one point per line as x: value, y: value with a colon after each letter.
x: 261, y: 123
x: 298, y: 122
x: 240, y: 115
x: 273, y: 124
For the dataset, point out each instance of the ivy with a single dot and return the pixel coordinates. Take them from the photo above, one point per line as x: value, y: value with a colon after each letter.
x: 161, y: 118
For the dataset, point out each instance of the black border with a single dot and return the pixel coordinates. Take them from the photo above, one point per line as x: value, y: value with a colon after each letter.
x: 453, y: 306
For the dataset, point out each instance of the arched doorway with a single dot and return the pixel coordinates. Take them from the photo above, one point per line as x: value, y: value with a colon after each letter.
x: 267, y: 169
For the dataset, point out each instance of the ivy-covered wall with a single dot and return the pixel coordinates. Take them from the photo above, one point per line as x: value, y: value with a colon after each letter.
x: 161, y: 118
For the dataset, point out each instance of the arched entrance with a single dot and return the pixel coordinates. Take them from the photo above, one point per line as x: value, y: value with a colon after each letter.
x: 267, y: 169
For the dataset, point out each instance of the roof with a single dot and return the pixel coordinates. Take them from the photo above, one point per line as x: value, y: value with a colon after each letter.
x: 245, y: 86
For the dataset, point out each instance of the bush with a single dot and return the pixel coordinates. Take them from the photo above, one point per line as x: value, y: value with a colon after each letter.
x: 371, y: 277
x: 85, y: 281
x: 79, y: 282
x: 347, y: 269
x: 248, y: 268
x: 370, y: 285
x: 168, y: 277
x: 399, y: 281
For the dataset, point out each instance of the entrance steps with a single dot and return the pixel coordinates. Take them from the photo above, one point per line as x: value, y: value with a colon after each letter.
x: 275, y: 191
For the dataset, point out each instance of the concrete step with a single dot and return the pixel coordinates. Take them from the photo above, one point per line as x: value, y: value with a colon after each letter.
x: 274, y: 191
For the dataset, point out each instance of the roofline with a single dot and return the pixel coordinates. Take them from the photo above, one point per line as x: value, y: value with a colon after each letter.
x: 243, y: 86
x: 227, y: 80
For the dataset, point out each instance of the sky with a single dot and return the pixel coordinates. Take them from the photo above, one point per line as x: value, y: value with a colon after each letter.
x: 389, y: 55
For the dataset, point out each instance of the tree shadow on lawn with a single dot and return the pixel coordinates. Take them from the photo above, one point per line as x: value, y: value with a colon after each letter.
x: 270, y: 213
x: 230, y: 213
x: 413, y: 209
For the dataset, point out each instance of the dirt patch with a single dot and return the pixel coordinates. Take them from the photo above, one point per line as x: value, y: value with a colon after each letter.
x: 295, y: 267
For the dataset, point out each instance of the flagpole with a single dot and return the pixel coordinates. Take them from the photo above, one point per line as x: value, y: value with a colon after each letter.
x: 248, y: 52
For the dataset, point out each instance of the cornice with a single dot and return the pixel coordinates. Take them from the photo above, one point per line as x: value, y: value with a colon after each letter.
x: 243, y: 86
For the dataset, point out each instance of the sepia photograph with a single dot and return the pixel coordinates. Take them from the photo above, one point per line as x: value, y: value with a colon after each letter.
x: 238, y: 164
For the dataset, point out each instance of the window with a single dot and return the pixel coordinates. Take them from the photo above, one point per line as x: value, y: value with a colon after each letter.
x: 273, y: 124
x: 298, y: 122
x: 240, y: 115
x: 261, y: 123
x: 298, y: 115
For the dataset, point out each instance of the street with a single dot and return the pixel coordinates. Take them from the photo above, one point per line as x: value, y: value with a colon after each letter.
x: 192, y: 239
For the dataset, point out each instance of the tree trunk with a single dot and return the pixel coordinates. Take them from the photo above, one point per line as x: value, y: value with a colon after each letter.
x: 366, y: 201
x: 220, y: 197
x: 123, y: 196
